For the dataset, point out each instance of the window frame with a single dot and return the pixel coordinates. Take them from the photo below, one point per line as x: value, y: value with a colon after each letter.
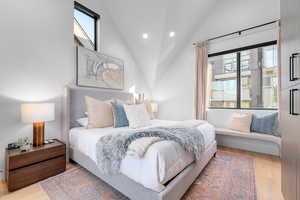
x: 238, y: 88
x: 91, y: 14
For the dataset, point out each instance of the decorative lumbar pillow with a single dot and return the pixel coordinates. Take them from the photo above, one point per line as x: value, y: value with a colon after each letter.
x: 264, y: 123
x: 83, y: 122
x: 137, y: 115
x: 120, y: 118
x: 240, y: 122
x: 99, y: 113
x: 149, y: 109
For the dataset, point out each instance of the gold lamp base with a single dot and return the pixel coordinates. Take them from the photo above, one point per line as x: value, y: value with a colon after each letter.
x: 38, y: 134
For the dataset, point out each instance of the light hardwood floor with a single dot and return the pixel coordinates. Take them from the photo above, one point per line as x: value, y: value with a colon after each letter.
x: 267, y: 175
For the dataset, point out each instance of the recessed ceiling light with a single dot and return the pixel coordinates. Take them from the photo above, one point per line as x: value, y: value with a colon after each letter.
x: 145, y: 35
x: 172, y: 34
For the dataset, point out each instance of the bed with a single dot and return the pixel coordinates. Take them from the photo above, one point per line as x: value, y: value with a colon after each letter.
x: 164, y: 173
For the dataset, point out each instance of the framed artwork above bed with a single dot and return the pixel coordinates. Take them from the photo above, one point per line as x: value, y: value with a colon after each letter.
x: 98, y: 70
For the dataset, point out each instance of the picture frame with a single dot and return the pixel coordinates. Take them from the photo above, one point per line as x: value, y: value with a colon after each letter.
x: 97, y: 70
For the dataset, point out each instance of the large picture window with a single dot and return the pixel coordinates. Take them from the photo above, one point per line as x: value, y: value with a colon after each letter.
x: 245, y: 78
x: 85, y: 27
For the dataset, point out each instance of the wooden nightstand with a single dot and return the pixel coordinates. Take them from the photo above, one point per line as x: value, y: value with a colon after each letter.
x: 25, y: 168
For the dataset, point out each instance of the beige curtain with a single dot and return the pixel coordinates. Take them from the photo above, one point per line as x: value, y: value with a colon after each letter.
x: 201, y: 80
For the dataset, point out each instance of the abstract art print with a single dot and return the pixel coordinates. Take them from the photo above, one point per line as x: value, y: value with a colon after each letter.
x: 95, y: 69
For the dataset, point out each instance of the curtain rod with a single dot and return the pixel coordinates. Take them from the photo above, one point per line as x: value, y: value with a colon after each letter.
x: 240, y: 31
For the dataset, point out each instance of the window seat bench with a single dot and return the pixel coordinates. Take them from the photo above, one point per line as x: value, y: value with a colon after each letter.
x: 256, y: 142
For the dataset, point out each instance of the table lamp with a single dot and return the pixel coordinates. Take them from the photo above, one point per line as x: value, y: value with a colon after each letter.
x: 38, y: 114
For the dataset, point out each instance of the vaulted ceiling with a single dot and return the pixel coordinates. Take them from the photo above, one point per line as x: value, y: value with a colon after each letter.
x: 157, y: 18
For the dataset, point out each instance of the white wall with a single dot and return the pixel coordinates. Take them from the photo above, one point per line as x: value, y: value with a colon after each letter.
x: 112, y: 43
x: 37, y: 60
x: 174, y: 89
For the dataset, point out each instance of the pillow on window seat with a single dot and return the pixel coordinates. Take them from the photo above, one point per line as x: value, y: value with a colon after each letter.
x: 265, y: 123
x: 240, y: 122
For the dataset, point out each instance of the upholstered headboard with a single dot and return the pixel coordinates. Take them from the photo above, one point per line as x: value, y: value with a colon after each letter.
x: 77, y: 103
x: 74, y: 105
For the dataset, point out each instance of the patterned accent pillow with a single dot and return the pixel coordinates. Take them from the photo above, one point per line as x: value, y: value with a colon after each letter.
x: 120, y: 118
x: 137, y: 115
x: 265, y: 123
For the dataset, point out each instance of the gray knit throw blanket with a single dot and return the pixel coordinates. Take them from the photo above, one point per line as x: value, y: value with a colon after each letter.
x: 112, y: 148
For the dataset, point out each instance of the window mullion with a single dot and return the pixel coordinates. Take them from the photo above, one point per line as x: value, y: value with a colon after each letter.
x: 238, y: 88
x: 96, y: 33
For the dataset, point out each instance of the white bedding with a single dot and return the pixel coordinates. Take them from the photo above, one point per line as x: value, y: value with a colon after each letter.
x: 162, y: 161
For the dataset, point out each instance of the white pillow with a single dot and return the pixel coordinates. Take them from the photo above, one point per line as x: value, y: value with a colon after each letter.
x: 240, y: 122
x: 137, y: 115
x: 83, y: 122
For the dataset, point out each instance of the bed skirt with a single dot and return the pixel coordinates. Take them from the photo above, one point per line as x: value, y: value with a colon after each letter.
x: 174, y: 190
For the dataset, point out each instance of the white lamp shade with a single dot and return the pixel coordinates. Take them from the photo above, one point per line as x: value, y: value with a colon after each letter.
x: 154, y: 107
x: 37, y: 112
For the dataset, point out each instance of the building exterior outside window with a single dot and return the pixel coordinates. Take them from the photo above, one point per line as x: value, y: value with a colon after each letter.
x: 257, y: 84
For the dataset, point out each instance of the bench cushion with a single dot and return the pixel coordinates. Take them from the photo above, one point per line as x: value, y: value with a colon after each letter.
x: 252, y: 135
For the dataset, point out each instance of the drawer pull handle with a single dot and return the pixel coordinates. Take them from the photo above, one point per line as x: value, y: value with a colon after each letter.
x: 292, y: 66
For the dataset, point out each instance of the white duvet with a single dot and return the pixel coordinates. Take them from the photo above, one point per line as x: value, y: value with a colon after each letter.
x: 161, y: 162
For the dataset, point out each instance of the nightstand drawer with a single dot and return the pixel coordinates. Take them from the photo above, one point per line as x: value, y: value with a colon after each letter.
x: 29, y: 158
x: 22, y: 177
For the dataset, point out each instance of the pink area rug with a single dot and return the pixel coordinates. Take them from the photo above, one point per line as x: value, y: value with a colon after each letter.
x: 226, y: 177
